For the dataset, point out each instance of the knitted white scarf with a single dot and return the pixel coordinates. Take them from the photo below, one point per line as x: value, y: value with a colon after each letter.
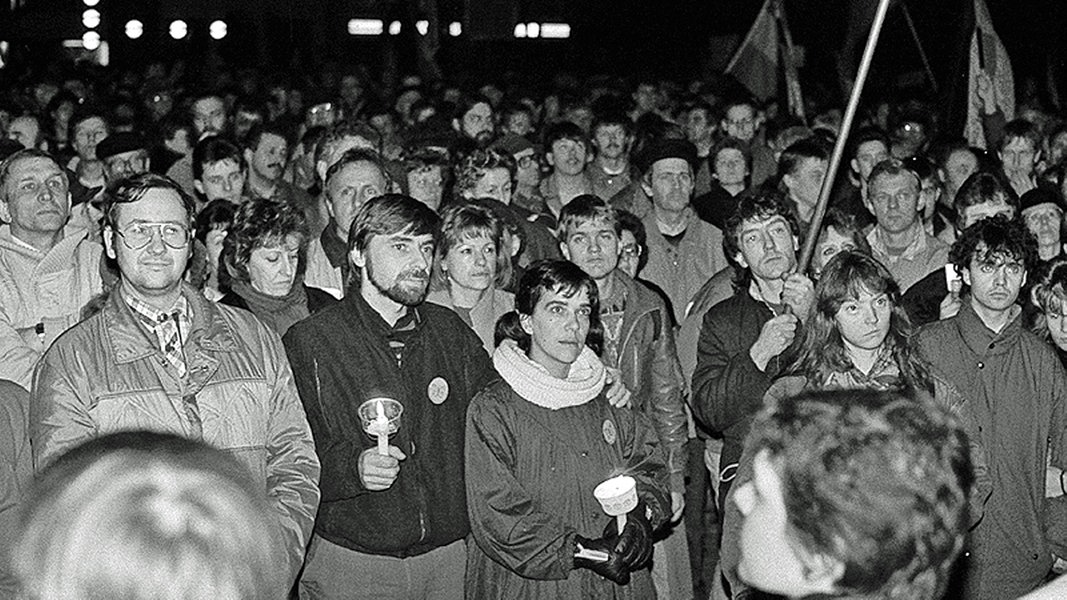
x: 534, y: 384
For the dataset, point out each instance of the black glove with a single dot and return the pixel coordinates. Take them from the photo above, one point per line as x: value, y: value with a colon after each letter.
x: 613, y: 568
x: 634, y: 545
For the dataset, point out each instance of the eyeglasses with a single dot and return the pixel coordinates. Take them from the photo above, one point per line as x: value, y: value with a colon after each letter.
x: 138, y: 235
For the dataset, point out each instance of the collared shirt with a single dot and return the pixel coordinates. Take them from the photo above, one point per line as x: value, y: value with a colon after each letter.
x: 922, y: 256
x: 171, y: 327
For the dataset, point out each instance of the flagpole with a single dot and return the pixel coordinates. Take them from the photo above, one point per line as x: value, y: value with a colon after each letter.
x: 842, y: 138
x: 919, y: 45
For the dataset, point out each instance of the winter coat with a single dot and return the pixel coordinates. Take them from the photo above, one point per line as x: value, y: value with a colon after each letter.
x: 108, y: 374
x: 531, y: 473
x: 341, y: 357
x: 728, y: 388
x: 42, y: 294
x: 1017, y: 389
x: 649, y: 364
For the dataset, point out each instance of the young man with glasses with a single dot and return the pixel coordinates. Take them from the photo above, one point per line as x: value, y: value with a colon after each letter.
x: 49, y: 266
x: 159, y: 356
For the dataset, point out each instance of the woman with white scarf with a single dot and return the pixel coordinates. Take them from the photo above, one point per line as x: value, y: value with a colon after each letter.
x: 540, y: 439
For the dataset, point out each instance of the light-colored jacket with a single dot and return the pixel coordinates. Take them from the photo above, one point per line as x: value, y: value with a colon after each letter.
x: 42, y: 295
x: 321, y: 274
x: 680, y: 270
x: 108, y: 374
x: 484, y: 314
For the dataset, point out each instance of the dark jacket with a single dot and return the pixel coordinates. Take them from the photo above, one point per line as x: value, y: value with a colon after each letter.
x: 533, y: 471
x: 1018, y: 389
x: 341, y: 358
x: 728, y: 388
x: 650, y: 370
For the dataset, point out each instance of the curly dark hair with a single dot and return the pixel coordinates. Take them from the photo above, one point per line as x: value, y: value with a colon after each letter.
x: 760, y: 206
x: 995, y: 237
x: 258, y: 223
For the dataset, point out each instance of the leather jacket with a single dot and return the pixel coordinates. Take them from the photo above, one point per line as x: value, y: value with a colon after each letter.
x: 650, y: 370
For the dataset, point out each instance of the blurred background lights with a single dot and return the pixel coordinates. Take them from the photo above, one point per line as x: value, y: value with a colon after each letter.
x: 91, y: 40
x: 366, y: 27
x: 91, y: 18
x: 533, y: 30
x: 455, y: 29
x: 422, y: 27
x: 178, y: 29
x: 394, y: 28
x: 134, y: 29
x: 91, y: 3
x: 520, y: 30
x: 217, y: 30
x: 555, y: 30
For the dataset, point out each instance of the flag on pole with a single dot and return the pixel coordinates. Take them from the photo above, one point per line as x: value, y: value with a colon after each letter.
x: 987, y: 54
x: 763, y: 55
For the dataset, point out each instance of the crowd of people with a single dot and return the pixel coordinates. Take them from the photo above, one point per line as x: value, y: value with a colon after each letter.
x: 270, y: 337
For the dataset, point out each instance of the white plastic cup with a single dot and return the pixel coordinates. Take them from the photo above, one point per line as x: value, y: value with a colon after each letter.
x: 617, y: 496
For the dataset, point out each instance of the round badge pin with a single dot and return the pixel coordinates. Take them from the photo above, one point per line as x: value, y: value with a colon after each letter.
x: 437, y: 390
x: 610, y: 434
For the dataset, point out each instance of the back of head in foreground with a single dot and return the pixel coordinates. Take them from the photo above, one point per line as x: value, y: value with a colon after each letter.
x: 855, y: 494
x: 147, y: 516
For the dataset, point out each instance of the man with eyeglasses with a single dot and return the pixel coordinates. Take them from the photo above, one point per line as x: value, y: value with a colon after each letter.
x: 49, y: 266
x: 159, y: 356
x: 1018, y: 393
x: 899, y: 240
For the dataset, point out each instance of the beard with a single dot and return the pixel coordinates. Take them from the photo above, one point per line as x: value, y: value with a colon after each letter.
x: 409, y: 288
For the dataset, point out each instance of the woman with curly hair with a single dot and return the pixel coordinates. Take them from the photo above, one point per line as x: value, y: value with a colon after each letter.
x: 264, y: 257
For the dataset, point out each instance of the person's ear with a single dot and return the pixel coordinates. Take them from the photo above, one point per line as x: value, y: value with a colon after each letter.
x: 966, y: 275
x: 739, y: 258
x: 248, y: 155
x: 109, y: 241
x: 358, y: 258
x: 524, y: 322
x: 551, y: 160
x: 5, y: 211
x: 198, y: 186
x: 457, y: 126
x: 646, y: 185
x: 855, y: 165
x: 565, y: 250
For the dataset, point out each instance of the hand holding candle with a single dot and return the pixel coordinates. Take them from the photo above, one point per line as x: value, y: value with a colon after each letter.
x: 617, y: 497
x: 381, y: 418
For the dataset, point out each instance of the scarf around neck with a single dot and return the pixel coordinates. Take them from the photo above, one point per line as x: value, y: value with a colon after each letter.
x: 533, y: 383
x: 278, y: 312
